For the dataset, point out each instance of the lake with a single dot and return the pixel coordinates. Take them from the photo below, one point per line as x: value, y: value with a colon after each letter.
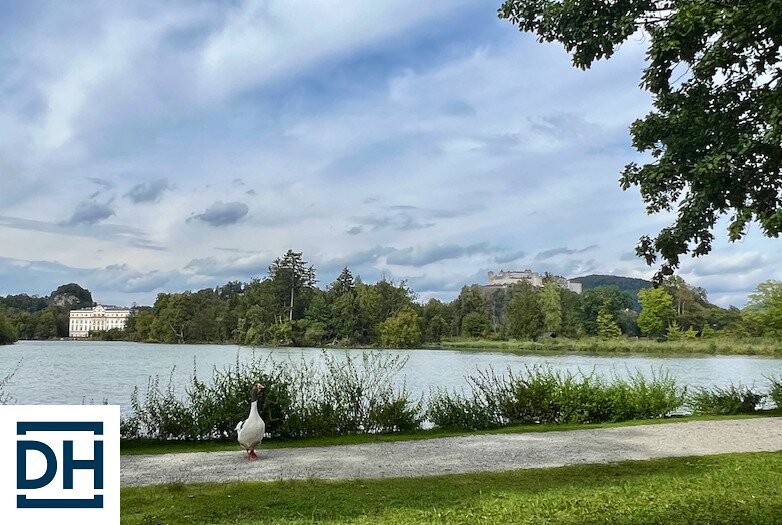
x: 75, y: 372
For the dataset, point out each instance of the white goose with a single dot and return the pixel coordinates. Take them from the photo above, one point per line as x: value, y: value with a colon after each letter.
x: 251, y: 430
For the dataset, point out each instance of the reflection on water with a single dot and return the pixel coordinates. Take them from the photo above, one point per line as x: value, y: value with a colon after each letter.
x: 74, y: 372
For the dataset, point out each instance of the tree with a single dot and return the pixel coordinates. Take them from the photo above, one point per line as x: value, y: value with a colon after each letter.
x: 7, y: 332
x: 345, y: 315
x: 551, y: 306
x: 572, y: 315
x: 673, y: 332
x: 346, y: 318
x: 606, y: 325
x: 170, y: 319
x: 377, y: 302
x: 594, y: 299
x: 656, y: 311
x: 343, y: 284
x: 496, y: 301
x: 715, y: 135
x: 141, y: 325
x: 437, y: 320
x: 401, y: 330
x: 292, y: 282
x: 627, y: 320
x: 523, y: 313
x: 46, y: 327
x: 470, y: 299
x: 766, y: 303
x: 436, y: 328
x: 692, y: 307
x: 475, y: 324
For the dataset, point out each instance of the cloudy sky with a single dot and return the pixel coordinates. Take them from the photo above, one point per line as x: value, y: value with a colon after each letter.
x: 165, y: 146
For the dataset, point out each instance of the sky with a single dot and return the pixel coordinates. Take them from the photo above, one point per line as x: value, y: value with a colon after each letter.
x: 153, y: 147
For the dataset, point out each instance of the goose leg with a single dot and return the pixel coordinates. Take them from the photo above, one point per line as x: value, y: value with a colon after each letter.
x: 252, y: 456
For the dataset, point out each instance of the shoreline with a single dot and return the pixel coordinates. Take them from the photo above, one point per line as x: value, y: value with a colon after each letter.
x: 583, y: 346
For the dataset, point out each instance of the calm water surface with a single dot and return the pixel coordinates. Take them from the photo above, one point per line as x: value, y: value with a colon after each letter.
x: 74, y: 372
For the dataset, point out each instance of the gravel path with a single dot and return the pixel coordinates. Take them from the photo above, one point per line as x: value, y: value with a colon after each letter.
x: 460, y: 454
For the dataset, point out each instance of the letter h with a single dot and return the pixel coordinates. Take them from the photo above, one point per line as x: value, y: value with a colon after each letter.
x: 69, y: 464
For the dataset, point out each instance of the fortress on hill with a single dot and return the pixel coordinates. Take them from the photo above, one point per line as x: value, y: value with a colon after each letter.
x: 511, y: 277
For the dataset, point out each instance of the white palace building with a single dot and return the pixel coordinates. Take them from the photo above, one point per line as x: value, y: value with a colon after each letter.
x: 97, y: 318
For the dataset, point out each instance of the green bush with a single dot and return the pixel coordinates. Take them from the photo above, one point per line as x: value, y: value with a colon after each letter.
x: 339, y: 397
x: 543, y: 395
x: 453, y: 410
x: 728, y: 400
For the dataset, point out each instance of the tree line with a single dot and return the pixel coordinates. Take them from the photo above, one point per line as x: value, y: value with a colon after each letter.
x: 24, y: 316
x: 288, y: 308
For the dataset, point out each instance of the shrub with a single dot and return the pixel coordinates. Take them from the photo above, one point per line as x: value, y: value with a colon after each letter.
x: 453, y: 410
x: 300, y: 400
x: 543, y: 395
x: 775, y: 393
x: 728, y: 400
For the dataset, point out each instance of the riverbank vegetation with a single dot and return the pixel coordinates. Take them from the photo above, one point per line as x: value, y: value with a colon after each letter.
x: 541, y: 395
x: 347, y: 396
x: 724, y: 489
x: 286, y: 308
x: 621, y: 345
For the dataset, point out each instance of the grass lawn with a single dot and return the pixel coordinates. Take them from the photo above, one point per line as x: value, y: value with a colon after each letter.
x: 729, y: 489
x: 158, y: 447
x: 622, y: 345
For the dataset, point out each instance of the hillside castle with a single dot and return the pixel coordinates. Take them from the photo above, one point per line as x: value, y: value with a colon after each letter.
x: 509, y: 278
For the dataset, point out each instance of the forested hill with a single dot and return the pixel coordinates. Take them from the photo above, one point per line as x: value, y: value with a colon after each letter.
x: 627, y: 284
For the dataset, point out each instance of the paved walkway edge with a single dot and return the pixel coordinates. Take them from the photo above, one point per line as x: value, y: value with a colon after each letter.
x: 479, y: 453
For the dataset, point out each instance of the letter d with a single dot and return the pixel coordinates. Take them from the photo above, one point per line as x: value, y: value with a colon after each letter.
x: 22, y: 482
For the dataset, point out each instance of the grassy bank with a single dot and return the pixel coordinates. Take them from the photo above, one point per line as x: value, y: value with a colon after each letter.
x: 734, y: 488
x: 720, y: 346
x: 172, y: 447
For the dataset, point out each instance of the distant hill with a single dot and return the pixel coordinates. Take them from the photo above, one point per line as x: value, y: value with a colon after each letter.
x: 627, y: 284
x: 71, y: 296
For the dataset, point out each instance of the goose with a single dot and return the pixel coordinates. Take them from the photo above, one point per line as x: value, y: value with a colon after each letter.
x: 250, y: 432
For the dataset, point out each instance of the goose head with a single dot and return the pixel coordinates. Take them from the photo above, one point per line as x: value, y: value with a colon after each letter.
x: 256, y: 391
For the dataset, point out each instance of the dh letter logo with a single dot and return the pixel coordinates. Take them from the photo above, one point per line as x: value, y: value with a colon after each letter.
x: 60, y: 464
x: 69, y: 464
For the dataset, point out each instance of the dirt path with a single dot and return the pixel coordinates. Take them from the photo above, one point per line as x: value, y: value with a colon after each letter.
x: 461, y: 454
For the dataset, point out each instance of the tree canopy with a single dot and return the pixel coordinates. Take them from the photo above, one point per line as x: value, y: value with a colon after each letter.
x: 7, y: 334
x: 766, y: 304
x: 657, y: 312
x: 714, y: 69
x: 350, y: 312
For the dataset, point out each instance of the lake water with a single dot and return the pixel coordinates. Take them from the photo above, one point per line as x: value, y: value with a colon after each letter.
x: 74, y: 372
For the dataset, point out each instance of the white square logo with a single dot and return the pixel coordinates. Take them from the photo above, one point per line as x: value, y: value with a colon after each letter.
x: 61, y: 464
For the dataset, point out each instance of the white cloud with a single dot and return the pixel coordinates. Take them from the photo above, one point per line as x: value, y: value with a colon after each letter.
x: 370, y: 133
